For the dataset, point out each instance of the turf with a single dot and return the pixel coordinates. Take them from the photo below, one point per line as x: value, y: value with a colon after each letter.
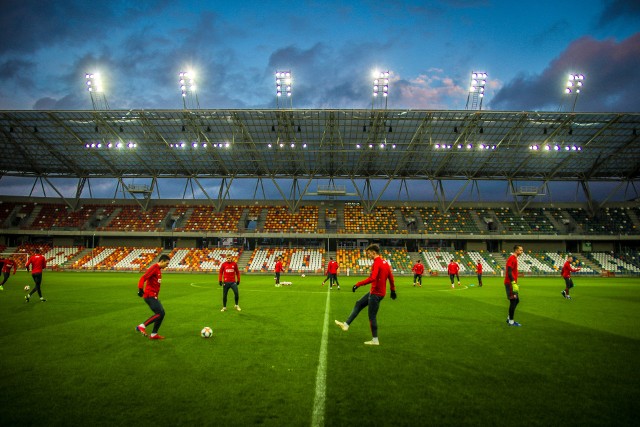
x: 446, y: 356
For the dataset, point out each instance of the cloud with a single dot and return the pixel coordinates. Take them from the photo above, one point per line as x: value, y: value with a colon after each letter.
x: 29, y: 25
x: 608, y: 66
x: 618, y: 10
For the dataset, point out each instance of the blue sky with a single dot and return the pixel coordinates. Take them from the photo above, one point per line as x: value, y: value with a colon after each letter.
x: 331, y: 47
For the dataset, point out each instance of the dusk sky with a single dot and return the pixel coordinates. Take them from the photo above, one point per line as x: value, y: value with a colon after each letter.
x: 430, y: 47
x: 331, y: 47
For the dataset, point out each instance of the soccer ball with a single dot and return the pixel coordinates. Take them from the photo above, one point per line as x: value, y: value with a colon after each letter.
x: 206, y: 332
x: 27, y: 288
x: 302, y: 275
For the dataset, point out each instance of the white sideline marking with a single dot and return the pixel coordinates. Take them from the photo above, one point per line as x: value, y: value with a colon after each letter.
x: 317, y: 419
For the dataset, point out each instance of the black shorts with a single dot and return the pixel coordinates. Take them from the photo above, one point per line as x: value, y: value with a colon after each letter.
x: 568, y: 281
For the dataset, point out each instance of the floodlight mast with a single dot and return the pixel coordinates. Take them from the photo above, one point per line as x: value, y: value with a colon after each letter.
x: 380, y: 95
x: 187, y: 82
x: 476, y: 90
x: 95, y: 88
x: 284, y: 83
x: 575, y: 83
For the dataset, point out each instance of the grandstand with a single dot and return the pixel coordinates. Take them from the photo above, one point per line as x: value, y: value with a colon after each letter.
x: 306, y: 225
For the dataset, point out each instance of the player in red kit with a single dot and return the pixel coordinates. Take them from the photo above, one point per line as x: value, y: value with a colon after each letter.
x: 229, y: 277
x: 332, y: 273
x: 453, y: 268
x: 7, y: 265
x: 566, y: 275
x: 418, y: 271
x: 38, y: 263
x: 153, y: 278
x: 278, y: 269
x: 511, y: 283
x: 380, y: 273
x: 479, y: 273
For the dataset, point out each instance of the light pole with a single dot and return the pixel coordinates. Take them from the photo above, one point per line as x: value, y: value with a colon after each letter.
x: 187, y: 82
x: 476, y: 90
x: 284, y: 82
x: 380, y: 89
x: 95, y: 88
x: 575, y: 82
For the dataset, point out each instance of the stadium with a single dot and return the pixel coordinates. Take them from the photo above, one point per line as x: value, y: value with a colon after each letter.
x: 331, y: 172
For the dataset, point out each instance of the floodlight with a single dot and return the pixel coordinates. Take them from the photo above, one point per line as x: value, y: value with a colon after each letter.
x: 187, y: 82
x: 380, y: 87
x: 284, y: 81
x: 575, y: 83
x: 476, y: 90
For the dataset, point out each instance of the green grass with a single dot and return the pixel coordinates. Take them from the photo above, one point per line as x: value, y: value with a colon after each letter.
x: 446, y: 356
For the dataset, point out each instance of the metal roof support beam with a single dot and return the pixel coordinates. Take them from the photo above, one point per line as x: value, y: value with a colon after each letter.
x: 438, y: 191
x: 298, y: 200
x: 223, y: 192
x: 147, y: 196
x: 284, y: 198
x: 66, y: 202
x: 611, y: 193
x: 587, y: 192
x: 458, y: 194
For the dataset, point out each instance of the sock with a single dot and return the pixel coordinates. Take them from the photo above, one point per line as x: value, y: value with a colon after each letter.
x: 374, y: 339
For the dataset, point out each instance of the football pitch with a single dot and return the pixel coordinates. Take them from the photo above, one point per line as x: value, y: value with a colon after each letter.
x: 446, y: 356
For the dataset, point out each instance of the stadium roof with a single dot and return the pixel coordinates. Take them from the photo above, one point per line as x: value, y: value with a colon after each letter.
x: 323, y: 143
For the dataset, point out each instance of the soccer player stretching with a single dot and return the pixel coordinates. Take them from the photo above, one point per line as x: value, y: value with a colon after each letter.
x: 332, y: 273
x: 153, y: 277
x: 511, y: 283
x: 228, y: 273
x: 38, y: 263
x: 566, y: 275
x: 380, y: 273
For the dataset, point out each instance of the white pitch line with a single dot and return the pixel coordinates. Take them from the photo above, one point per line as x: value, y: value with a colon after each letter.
x: 317, y: 419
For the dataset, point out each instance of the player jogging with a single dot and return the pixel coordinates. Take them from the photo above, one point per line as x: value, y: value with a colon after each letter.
x: 278, y: 269
x: 479, y: 273
x: 6, y: 265
x: 153, y: 278
x: 229, y: 277
x: 511, y: 284
x: 566, y: 275
x: 38, y: 263
x: 332, y: 273
x: 418, y: 271
x: 453, y: 268
x: 380, y: 273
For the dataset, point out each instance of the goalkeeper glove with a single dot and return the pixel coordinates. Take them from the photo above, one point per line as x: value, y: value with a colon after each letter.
x: 238, y: 283
x: 220, y: 283
x: 140, y: 292
x: 515, y: 287
x: 354, y: 288
x: 393, y: 295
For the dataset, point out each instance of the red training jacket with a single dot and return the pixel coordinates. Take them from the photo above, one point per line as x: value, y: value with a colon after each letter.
x: 512, y: 262
x: 332, y: 267
x: 479, y: 268
x: 567, y: 270
x: 418, y: 268
x: 37, y: 263
x: 228, y: 272
x: 8, y: 263
x: 153, y: 277
x: 380, y: 273
x: 279, y: 268
x: 453, y: 268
